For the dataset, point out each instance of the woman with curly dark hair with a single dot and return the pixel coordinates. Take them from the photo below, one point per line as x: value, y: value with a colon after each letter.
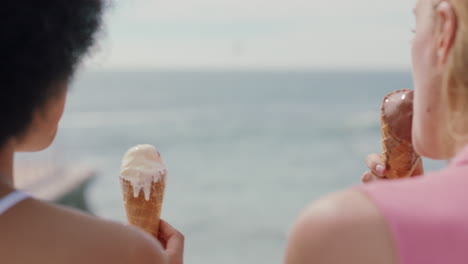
x: 41, y: 44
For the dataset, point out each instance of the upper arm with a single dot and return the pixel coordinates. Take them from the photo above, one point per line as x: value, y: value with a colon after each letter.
x: 342, y: 228
x: 89, y: 239
x: 125, y: 246
x: 147, y: 250
x: 119, y: 244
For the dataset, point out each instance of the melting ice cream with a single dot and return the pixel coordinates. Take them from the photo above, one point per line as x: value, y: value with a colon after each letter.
x: 141, y: 166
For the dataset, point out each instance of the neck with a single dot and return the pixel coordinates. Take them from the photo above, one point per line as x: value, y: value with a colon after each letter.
x: 6, y: 165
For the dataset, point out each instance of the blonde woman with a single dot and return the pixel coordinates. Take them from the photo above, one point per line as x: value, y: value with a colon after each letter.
x: 422, y: 220
x: 41, y: 44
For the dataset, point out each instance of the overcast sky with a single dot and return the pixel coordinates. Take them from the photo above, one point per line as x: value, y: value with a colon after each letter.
x: 262, y: 34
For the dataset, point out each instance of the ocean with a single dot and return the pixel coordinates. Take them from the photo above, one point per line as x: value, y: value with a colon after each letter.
x: 246, y: 151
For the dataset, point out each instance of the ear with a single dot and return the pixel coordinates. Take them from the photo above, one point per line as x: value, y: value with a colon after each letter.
x: 446, y: 30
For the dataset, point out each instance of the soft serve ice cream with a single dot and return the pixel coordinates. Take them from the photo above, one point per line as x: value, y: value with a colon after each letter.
x: 142, y: 166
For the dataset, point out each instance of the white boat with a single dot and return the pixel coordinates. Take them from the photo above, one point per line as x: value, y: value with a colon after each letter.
x: 64, y: 184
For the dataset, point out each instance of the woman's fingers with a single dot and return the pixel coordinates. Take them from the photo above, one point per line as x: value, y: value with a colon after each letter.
x: 374, y: 163
x: 377, y: 169
x: 173, y: 241
x: 370, y: 177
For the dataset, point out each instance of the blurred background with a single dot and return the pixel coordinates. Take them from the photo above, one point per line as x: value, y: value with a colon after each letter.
x: 257, y: 106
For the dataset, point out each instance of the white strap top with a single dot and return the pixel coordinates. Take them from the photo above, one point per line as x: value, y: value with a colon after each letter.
x: 11, y: 200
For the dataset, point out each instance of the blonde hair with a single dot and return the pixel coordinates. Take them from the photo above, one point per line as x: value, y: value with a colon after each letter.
x: 455, y: 83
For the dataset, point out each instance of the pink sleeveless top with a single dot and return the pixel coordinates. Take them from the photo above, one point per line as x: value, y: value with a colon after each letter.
x: 428, y: 215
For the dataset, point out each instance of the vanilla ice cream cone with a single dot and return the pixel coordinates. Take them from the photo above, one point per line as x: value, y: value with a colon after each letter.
x: 143, y: 180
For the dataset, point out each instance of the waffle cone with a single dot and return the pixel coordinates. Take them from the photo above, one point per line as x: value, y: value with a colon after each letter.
x: 140, y: 212
x: 398, y: 154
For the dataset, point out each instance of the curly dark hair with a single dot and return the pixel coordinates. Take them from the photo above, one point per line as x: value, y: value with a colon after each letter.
x: 41, y: 44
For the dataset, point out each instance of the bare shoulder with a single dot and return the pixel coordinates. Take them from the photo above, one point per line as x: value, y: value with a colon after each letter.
x: 344, y: 227
x: 64, y: 235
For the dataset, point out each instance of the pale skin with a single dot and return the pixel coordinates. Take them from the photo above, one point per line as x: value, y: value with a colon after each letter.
x: 346, y: 227
x: 37, y: 232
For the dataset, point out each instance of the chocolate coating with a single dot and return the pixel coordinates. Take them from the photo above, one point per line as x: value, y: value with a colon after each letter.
x: 397, y: 110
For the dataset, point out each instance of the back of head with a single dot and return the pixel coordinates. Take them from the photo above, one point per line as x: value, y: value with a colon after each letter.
x: 41, y: 44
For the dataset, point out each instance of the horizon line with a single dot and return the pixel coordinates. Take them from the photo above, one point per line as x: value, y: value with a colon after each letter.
x: 247, y: 69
